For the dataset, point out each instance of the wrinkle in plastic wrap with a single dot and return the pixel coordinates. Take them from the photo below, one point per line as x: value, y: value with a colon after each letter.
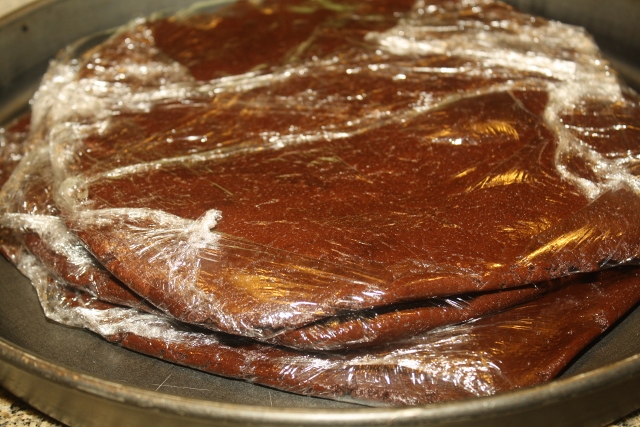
x: 393, y: 155
x: 515, y: 348
x: 31, y: 216
x: 13, y: 139
x: 366, y: 172
x: 12, y: 145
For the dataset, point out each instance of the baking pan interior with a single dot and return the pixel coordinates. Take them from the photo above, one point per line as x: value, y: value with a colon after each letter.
x: 78, y: 378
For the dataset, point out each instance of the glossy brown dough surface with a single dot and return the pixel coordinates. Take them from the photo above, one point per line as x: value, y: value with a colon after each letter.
x: 517, y: 348
x: 31, y: 217
x: 392, y: 155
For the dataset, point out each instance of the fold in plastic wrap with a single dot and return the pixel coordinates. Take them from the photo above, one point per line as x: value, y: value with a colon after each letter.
x: 338, y: 157
x: 13, y: 139
x: 333, y: 175
x: 12, y: 145
x: 31, y: 216
x: 516, y: 348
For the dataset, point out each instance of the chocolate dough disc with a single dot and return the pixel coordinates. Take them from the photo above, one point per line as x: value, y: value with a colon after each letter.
x: 341, y: 157
x: 517, y: 348
x: 32, y: 218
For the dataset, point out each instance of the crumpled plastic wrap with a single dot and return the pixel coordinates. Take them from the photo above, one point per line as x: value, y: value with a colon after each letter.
x: 32, y: 217
x: 13, y: 138
x: 384, y: 154
x: 339, y: 175
x: 518, y: 347
x: 12, y: 145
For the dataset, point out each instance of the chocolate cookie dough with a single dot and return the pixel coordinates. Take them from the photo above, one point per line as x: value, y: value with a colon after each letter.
x: 341, y: 157
x: 517, y: 348
x: 31, y: 218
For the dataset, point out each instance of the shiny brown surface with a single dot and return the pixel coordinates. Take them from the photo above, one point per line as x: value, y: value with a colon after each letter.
x: 517, y: 348
x: 30, y: 196
x: 403, y: 205
x: 594, y: 254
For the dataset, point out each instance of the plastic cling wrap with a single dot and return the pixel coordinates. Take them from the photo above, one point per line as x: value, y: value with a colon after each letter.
x: 32, y: 217
x: 382, y: 201
x: 12, y: 145
x: 349, y: 157
x: 516, y: 348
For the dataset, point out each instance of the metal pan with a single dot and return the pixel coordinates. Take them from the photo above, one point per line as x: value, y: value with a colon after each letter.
x: 79, y: 379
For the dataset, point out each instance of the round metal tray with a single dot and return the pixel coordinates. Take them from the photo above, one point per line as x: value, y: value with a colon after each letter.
x: 79, y: 379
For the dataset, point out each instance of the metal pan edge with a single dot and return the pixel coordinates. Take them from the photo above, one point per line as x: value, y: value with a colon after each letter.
x: 79, y: 399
